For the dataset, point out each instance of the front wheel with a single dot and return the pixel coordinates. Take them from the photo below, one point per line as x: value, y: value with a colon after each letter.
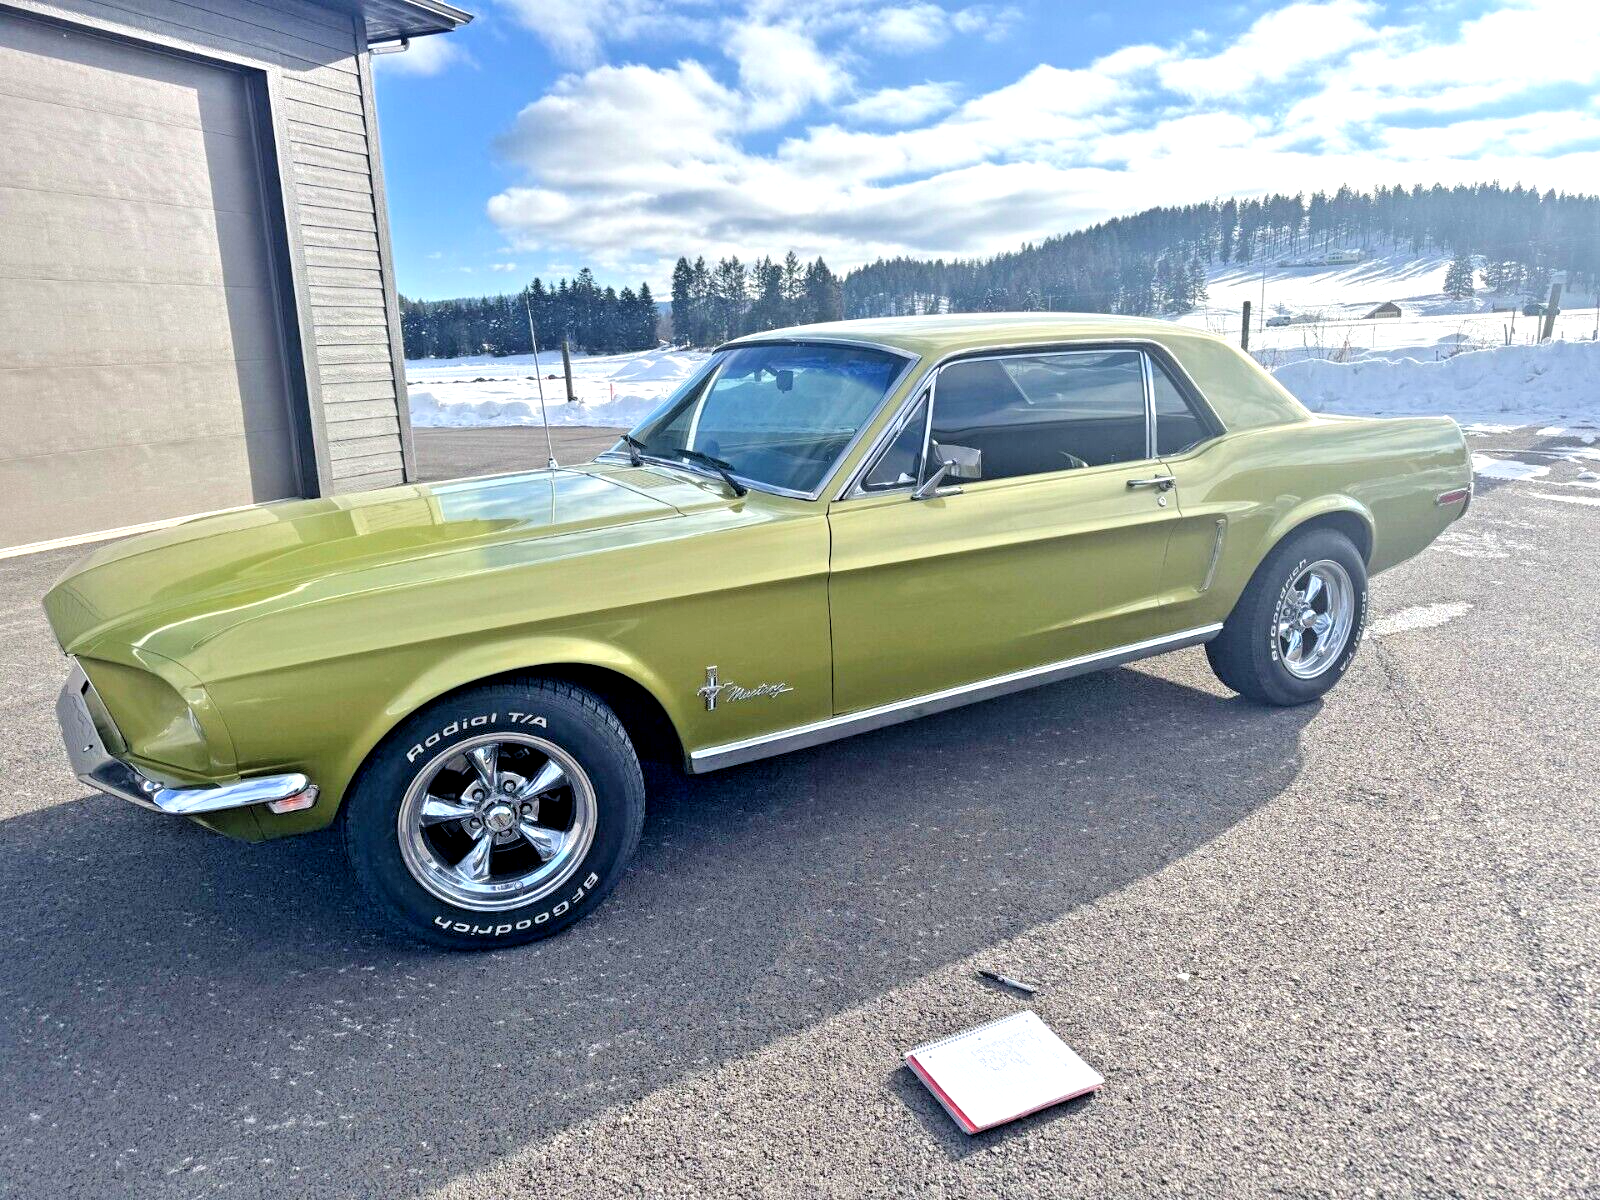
x: 496, y: 816
x: 1298, y: 624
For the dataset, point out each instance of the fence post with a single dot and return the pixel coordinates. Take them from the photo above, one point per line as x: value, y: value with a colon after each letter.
x: 1244, y: 333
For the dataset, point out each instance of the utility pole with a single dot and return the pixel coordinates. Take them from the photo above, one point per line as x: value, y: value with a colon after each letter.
x: 1244, y: 332
x: 566, y: 366
x: 1554, y: 306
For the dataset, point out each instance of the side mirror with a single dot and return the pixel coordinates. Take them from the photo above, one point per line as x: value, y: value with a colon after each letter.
x: 955, y: 462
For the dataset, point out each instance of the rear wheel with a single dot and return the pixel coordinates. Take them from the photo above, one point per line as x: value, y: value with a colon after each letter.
x: 1296, y: 628
x: 497, y: 816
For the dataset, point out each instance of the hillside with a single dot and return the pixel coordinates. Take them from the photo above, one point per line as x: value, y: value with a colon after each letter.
x: 1204, y: 257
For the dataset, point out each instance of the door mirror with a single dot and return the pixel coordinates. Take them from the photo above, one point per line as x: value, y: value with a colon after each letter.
x: 965, y: 462
x: 955, y: 462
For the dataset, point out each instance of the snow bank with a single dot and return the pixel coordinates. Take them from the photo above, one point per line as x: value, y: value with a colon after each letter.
x: 615, y: 390
x: 1557, y: 381
x: 1553, y: 384
x: 428, y: 412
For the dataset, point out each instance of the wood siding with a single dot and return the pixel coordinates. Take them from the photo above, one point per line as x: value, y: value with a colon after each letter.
x: 341, y: 303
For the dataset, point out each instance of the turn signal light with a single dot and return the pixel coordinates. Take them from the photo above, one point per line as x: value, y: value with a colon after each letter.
x: 1453, y: 497
x: 298, y: 802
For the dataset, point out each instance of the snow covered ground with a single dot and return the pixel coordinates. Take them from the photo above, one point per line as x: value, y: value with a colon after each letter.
x: 1439, y: 356
x: 615, y: 390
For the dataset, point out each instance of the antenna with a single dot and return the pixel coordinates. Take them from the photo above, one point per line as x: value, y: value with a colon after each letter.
x: 539, y: 379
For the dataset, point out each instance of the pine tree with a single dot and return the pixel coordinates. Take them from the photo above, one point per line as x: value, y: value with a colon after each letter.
x: 683, y: 327
x: 1458, y: 279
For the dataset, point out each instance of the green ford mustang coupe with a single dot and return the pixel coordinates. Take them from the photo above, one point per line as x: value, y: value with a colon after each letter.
x: 827, y: 530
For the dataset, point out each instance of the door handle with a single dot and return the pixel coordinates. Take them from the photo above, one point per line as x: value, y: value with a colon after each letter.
x: 1164, y: 483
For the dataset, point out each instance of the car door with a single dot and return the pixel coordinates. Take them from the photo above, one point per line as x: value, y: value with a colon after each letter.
x: 1048, y: 546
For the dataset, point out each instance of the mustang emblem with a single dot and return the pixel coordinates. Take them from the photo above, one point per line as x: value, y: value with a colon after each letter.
x: 714, y: 690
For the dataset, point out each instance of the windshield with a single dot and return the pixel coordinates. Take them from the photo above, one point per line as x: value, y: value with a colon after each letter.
x: 778, y: 415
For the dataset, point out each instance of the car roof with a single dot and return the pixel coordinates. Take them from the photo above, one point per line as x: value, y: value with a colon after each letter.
x: 954, y: 333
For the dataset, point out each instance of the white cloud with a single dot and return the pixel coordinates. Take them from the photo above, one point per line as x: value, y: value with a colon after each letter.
x: 989, y: 21
x: 781, y: 72
x: 425, y: 56
x: 911, y: 28
x: 902, y: 106
x: 908, y: 29
x: 629, y: 166
x: 503, y: 266
x: 577, y: 30
x: 1275, y: 47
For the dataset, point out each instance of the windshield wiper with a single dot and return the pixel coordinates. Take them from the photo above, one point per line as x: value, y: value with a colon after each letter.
x: 725, y: 469
x: 635, y: 450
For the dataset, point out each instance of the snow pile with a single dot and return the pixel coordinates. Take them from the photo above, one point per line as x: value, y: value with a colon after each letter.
x: 614, y: 390
x: 1416, y: 365
x: 1552, y: 382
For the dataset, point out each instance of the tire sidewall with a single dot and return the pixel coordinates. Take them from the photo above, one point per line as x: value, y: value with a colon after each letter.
x: 582, y: 730
x: 1287, y: 567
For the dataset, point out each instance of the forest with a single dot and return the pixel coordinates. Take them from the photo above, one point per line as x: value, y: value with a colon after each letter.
x: 1505, y: 239
x: 1156, y: 261
x: 594, y: 319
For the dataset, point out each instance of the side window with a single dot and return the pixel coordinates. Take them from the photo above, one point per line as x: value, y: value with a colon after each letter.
x: 1032, y: 414
x: 897, y: 465
x: 1178, y: 426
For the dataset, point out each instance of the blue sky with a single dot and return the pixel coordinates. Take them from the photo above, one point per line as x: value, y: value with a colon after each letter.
x: 553, y: 134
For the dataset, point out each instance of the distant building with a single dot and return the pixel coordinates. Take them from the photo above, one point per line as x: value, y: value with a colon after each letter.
x: 1387, y: 309
x: 1335, y: 257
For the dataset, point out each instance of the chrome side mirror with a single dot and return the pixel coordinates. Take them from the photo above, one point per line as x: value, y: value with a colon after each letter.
x: 955, y: 462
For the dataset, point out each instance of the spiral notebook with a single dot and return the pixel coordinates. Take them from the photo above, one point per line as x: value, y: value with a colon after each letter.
x: 1001, y: 1071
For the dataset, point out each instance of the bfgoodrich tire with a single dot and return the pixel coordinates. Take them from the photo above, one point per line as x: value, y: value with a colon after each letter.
x: 1296, y: 628
x: 496, y: 816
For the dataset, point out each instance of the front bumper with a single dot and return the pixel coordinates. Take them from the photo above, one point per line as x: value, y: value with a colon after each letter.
x: 96, y: 766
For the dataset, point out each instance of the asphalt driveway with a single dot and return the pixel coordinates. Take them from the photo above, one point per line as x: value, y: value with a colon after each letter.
x: 1348, y: 949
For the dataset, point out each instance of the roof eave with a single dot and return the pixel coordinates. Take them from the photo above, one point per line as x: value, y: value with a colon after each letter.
x: 391, y: 20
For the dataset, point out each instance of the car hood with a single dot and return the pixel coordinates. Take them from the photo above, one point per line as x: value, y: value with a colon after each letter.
x: 233, y: 563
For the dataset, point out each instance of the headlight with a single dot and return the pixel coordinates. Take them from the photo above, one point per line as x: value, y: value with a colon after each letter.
x: 154, y: 721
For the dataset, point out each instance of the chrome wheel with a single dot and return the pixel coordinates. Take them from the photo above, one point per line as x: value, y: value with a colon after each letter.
x: 496, y: 822
x: 1314, y: 619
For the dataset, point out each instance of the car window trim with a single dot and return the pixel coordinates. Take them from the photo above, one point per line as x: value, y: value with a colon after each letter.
x: 1191, y: 395
x: 853, y: 489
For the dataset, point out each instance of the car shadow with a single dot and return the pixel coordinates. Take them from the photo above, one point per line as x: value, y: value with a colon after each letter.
x: 174, y: 1000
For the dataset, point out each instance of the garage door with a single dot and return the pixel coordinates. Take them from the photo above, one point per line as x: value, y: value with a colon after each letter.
x: 141, y: 363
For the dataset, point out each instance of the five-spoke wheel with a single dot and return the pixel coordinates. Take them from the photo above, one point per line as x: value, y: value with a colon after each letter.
x: 1298, y: 624
x: 496, y: 822
x: 1314, y: 619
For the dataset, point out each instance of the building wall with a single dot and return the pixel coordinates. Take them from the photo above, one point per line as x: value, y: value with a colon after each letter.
x: 343, y: 322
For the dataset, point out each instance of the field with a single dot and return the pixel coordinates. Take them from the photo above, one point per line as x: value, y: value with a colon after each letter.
x: 1448, y: 356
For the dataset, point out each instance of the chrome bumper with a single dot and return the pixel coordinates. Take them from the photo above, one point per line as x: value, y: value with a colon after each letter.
x: 95, y: 766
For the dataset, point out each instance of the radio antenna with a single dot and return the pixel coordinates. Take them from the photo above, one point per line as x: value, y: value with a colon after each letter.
x: 544, y: 417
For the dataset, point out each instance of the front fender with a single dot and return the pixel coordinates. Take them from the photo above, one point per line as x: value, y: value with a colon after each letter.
x: 335, y: 762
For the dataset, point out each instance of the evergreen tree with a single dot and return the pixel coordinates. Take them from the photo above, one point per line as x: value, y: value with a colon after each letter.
x: 683, y: 315
x: 1458, y: 279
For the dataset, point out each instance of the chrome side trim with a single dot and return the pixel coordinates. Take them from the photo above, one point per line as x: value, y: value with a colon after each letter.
x: 1216, y: 554
x: 94, y: 765
x: 801, y: 737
